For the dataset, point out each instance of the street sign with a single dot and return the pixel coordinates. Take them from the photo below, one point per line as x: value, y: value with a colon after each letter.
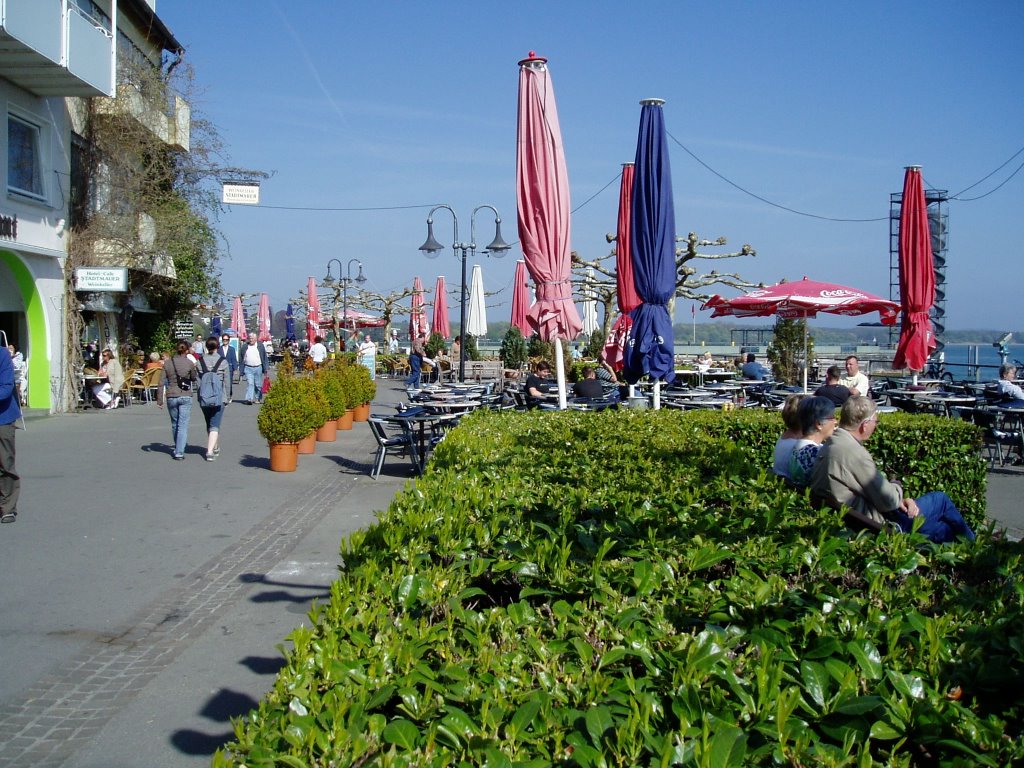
x: 240, y: 192
x: 183, y: 329
x: 101, y: 279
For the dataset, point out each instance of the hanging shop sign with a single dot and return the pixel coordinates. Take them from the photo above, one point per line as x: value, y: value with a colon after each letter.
x: 101, y: 279
x: 240, y: 192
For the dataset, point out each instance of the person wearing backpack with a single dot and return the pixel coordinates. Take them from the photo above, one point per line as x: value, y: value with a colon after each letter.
x: 178, y: 381
x: 213, y: 387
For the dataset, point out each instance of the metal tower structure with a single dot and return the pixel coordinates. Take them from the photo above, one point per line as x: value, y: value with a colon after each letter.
x: 938, y: 226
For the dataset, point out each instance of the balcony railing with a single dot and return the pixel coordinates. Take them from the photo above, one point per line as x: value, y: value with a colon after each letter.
x: 53, y: 49
x: 171, y: 122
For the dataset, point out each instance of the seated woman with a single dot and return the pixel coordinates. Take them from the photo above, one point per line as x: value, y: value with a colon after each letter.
x: 154, y: 361
x: 1010, y: 392
x: 817, y: 422
x: 105, y: 392
x: 790, y: 437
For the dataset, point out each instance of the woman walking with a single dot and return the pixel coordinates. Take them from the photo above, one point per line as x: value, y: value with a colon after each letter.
x: 213, y: 389
x: 178, y: 381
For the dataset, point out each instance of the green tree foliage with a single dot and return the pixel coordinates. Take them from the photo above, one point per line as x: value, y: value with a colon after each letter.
x: 513, y: 348
x: 786, y: 351
x: 595, y: 345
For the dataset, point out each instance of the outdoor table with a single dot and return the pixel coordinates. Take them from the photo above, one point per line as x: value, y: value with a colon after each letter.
x: 450, y: 406
x: 408, y: 421
x: 87, y: 384
x: 947, y: 401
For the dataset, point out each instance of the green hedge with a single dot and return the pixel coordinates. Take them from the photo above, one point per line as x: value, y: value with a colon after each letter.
x: 633, y: 589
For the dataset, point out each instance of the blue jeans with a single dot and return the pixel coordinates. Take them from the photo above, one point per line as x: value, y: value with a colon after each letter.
x: 253, y: 383
x: 179, y: 408
x: 942, y: 520
x: 415, y: 364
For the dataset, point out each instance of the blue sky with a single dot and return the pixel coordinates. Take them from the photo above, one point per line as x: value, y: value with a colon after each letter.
x: 814, y: 106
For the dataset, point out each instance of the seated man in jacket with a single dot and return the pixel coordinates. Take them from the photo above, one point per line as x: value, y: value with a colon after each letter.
x: 1008, y: 389
x: 846, y: 474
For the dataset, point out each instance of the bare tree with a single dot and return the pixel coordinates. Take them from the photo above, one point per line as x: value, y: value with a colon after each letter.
x: 689, y: 283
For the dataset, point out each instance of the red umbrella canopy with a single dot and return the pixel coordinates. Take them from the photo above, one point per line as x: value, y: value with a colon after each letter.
x: 354, y: 319
x: 520, y: 299
x: 542, y: 197
x: 312, y: 311
x: 263, y: 319
x: 625, y: 288
x: 917, y: 276
x: 418, y: 316
x: 804, y: 298
x: 440, y: 320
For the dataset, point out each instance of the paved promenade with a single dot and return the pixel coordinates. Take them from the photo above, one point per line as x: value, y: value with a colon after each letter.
x: 144, y: 599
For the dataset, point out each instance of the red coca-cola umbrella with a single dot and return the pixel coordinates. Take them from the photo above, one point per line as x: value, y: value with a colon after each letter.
x: 440, y: 319
x: 917, y: 276
x: 542, y: 200
x: 804, y: 299
x: 312, y: 311
x: 353, y: 319
x: 625, y: 290
x: 520, y: 299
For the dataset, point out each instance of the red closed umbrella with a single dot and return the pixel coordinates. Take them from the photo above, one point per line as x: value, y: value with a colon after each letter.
x: 263, y: 319
x: 238, y: 318
x: 542, y: 198
x: 917, y: 276
x: 312, y: 311
x: 804, y: 299
x: 440, y: 319
x: 542, y: 202
x: 417, y: 317
x: 520, y: 299
x: 625, y: 289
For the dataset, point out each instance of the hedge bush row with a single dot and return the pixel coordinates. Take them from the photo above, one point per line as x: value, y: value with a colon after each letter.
x: 633, y: 589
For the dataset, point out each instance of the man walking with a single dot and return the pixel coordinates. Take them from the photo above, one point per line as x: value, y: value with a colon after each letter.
x: 254, y: 366
x: 10, y: 412
x: 232, y: 360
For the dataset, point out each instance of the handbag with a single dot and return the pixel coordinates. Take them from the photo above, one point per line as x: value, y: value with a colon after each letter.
x: 266, y: 384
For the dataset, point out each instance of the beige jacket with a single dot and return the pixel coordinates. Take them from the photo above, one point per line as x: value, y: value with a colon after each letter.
x: 846, y: 473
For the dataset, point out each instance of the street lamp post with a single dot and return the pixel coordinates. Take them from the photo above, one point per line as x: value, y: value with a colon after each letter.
x: 344, y: 280
x: 431, y: 247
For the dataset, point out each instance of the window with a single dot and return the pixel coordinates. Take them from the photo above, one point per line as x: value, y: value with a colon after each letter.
x: 24, y: 167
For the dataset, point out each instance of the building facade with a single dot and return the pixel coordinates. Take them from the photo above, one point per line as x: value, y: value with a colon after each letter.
x: 59, y: 61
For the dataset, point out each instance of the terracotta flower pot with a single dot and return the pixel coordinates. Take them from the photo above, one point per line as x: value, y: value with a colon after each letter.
x: 362, y: 412
x: 345, y: 420
x: 284, y: 457
x: 328, y: 433
x: 308, y: 443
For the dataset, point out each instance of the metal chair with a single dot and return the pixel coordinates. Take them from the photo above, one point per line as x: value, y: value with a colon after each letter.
x: 146, y: 384
x: 393, y: 444
x: 997, y: 434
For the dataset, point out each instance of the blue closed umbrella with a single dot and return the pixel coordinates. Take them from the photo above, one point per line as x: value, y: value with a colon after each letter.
x: 289, y: 324
x: 215, y: 329
x: 650, y: 348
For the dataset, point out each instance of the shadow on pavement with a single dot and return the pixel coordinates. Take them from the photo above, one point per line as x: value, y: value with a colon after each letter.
x: 259, y: 462
x: 220, y: 708
x: 263, y: 665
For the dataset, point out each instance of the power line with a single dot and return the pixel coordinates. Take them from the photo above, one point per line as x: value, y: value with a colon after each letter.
x: 361, y: 210
x: 1008, y: 161
x: 766, y: 200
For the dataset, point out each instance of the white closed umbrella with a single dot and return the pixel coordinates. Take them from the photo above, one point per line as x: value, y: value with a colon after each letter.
x: 476, y: 319
x: 589, y: 306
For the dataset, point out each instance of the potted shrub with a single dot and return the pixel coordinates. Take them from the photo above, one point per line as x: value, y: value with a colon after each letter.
x: 365, y: 389
x: 343, y: 377
x: 286, y: 417
x: 334, y: 394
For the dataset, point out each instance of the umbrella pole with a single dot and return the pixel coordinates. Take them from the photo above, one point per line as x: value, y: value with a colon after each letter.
x: 657, y: 395
x: 807, y: 363
x: 560, y: 374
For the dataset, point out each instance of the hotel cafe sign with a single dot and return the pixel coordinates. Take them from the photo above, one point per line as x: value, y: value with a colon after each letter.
x: 113, y: 279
